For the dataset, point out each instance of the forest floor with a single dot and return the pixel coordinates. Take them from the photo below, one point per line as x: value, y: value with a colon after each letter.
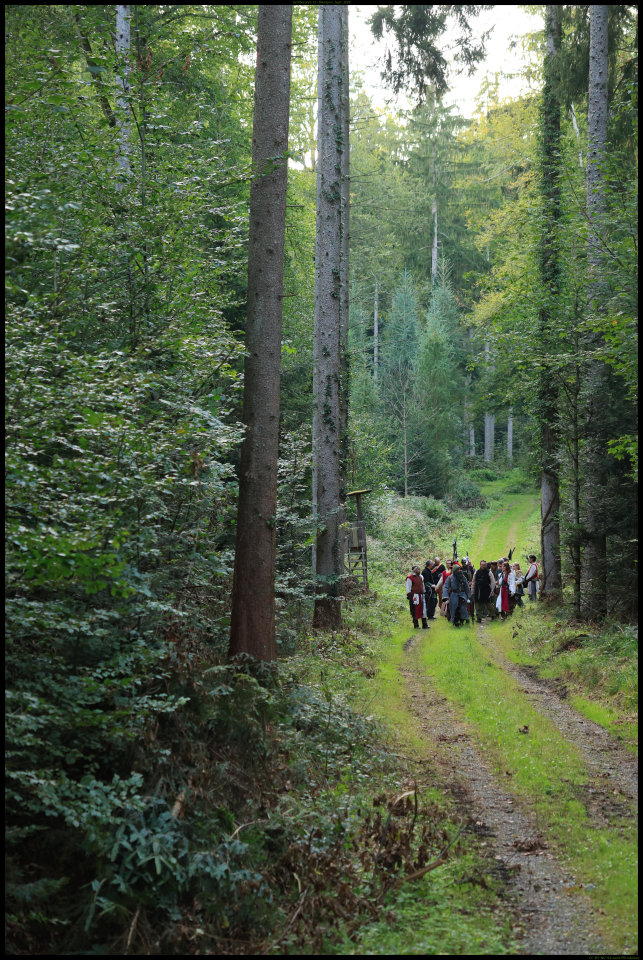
x: 549, y: 795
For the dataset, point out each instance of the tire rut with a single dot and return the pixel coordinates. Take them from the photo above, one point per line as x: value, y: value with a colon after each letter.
x: 613, y: 769
x: 552, y: 914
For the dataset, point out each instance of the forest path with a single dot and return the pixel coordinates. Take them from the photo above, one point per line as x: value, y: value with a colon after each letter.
x: 548, y: 915
x: 552, y: 795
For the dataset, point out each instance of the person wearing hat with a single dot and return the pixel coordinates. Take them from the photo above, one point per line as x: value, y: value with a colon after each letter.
x: 457, y: 592
x: 415, y: 593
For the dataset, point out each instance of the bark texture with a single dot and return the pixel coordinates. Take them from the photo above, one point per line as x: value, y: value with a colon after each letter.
x: 595, y: 493
x: 320, y: 83
x: 123, y: 37
x: 596, y: 140
x: 344, y: 274
x: 550, y: 270
x: 253, y: 600
x: 328, y: 427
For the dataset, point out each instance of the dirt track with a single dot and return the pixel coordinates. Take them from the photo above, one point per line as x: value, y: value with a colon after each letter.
x: 553, y: 913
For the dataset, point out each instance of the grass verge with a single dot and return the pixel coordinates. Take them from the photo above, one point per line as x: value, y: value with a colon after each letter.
x: 597, y: 662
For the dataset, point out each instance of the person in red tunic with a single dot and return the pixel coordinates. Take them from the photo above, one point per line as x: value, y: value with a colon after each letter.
x: 507, y: 582
x: 415, y: 593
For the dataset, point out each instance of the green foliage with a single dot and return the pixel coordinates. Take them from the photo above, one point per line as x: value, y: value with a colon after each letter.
x: 420, y: 64
x: 122, y: 377
x: 599, y: 662
x: 467, y: 493
x: 484, y: 473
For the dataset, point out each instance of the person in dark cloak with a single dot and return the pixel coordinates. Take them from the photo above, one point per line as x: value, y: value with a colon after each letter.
x: 429, y: 590
x: 457, y: 591
x: 484, y: 585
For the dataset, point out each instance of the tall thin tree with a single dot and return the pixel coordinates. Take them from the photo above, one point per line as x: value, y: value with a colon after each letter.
x: 434, y: 211
x: 550, y: 273
x: 594, y: 590
x: 318, y: 180
x: 344, y: 266
x: 252, y: 627
x: 123, y: 35
x: 376, y: 331
x: 489, y: 419
x: 328, y: 267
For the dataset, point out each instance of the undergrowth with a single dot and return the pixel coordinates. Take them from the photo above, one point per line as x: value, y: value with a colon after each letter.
x: 270, y: 817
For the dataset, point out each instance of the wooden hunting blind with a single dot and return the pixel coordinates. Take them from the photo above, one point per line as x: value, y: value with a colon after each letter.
x: 355, y: 541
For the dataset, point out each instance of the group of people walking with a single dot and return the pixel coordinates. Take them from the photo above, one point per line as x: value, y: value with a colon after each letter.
x: 458, y: 590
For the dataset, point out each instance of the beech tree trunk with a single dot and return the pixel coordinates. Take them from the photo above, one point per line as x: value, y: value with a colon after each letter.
x: 548, y: 392
x: 510, y: 435
x: 594, y: 593
x: 320, y: 80
x: 328, y: 428
x: 252, y: 627
x: 123, y: 37
x: 577, y: 132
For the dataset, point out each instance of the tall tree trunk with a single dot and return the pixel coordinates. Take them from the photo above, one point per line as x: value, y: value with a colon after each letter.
x: 577, y: 132
x: 123, y: 35
x: 252, y: 628
x: 406, y: 460
x: 376, y: 333
x: 489, y: 436
x: 510, y: 435
x: 576, y: 488
x: 434, y: 211
x: 489, y: 419
x: 327, y: 604
x: 318, y: 180
x: 594, y: 594
x: 344, y: 277
x: 596, y: 140
x: 548, y: 392
x: 470, y: 436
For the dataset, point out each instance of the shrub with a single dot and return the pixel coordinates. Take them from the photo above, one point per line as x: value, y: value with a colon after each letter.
x: 467, y: 494
x: 483, y: 474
